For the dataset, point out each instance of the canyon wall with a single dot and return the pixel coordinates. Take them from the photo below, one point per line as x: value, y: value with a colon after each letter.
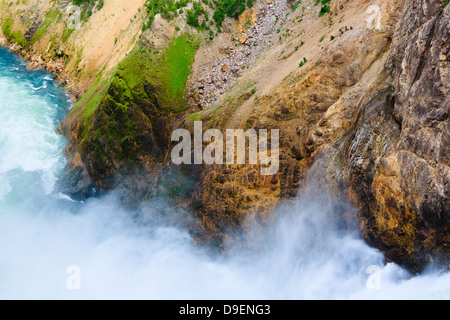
x: 369, y: 113
x: 357, y: 88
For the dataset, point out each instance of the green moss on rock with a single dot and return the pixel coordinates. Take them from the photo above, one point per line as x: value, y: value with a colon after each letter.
x: 14, y: 35
x: 124, y: 122
x: 51, y: 17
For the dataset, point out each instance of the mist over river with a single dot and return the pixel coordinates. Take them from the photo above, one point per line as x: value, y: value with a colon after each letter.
x: 44, y: 234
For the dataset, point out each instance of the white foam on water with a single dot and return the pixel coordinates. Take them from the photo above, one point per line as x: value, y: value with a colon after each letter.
x: 27, y: 137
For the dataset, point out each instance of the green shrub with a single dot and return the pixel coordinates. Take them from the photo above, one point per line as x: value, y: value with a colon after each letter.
x: 325, y: 7
x: 168, y: 9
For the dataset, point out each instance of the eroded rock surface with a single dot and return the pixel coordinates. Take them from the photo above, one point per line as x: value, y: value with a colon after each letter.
x: 362, y: 106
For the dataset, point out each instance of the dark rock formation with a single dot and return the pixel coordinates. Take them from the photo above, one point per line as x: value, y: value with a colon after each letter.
x: 372, y: 114
x: 403, y: 187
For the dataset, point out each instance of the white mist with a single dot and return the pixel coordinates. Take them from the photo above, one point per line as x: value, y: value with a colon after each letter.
x: 42, y: 237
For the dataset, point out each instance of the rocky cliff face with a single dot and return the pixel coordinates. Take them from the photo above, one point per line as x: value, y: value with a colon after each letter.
x: 406, y: 193
x: 359, y: 94
x: 397, y: 149
x: 371, y: 116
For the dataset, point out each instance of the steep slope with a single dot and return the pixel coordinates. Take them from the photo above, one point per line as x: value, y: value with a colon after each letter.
x: 75, y: 41
x: 358, y: 90
x: 409, y: 216
x: 368, y: 111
